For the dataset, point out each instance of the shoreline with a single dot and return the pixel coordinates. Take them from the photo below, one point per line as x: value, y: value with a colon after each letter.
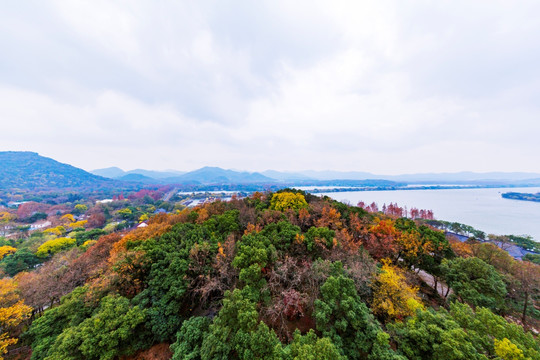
x: 417, y: 187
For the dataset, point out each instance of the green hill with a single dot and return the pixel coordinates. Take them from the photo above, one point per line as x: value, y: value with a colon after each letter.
x: 30, y: 171
x: 280, y: 276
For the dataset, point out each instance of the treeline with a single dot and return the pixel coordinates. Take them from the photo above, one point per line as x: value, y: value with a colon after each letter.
x: 525, y: 242
x: 283, y: 275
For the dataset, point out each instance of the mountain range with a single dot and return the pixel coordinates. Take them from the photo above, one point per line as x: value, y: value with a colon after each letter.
x: 30, y: 171
x: 205, y: 175
x: 216, y: 174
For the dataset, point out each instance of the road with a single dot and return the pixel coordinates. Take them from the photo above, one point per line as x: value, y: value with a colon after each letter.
x: 442, y: 288
x: 169, y: 195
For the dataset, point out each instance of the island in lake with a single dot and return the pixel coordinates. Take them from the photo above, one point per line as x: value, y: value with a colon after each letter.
x: 522, y: 196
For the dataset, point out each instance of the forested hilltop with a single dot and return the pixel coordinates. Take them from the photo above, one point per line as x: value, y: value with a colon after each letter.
x: 284, y: 275
x: 28, y: 170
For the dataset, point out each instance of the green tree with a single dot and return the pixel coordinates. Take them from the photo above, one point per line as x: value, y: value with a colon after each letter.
x: 422, y: 246
x: 84, y: 236
x: 311, y: 347
x: 255, y: 252
x: 437, y: 249
x: 189, y: 339
x: 168, y: 262
x: 114, y: 329
x: 237, y: 333
x: 483, y: 326
x: 281, y: 234
x: 434, y: 335
x: 21, y: 260
x: 475, y: 282
x: 222, y: 225
x: 321, y: 236
x: 534, y: 258
x: 44, y: 331
x: 342, y: 316
x: 460, y: 333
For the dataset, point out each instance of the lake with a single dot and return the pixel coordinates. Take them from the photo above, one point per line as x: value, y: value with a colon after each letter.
x: 483, y: 209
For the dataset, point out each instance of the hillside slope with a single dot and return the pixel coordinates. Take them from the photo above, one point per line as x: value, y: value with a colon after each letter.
x: 29, y: 170
x: 279, y: 276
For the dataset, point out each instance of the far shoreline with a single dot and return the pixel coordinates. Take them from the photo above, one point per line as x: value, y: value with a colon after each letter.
x: 418, y: 187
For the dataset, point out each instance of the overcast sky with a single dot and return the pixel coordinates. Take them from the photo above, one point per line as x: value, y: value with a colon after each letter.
x: 381, y: 86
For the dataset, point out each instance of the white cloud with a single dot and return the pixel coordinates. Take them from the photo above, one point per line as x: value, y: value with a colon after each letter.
x: 379, y: 86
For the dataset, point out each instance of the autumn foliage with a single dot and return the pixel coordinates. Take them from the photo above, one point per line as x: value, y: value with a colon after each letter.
x: 6, y: 250
x: 51, y: 247
x: 381, y: 239
x: 13, y: 312
x: 287, y: 200
x: 282, y: 276
x: 393, y: 298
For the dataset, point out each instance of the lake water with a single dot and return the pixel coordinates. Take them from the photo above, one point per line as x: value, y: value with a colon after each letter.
x: 483, y: 209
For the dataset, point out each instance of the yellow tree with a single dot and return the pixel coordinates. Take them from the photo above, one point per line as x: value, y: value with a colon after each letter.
x: 288, y: 200
x: 507, y: 350
x: 410, y: 247
x: 68, y: 218
x: 393, y: 298
x: 203, y: 216
x: 6, y: 250
x: 6, y: 217
x: 78, y: 224
x: 51, y: 247
x: 13, y: 311
x: 81, y: 208
x: 59, y: 230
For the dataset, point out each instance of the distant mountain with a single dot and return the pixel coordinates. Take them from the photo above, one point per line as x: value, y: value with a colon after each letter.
x: 216, y: 175
x: 138, y: 178
x: 332, y: 175
x: 117, y: 173
x: 30, y: 171
x: 156, y: 174
x: 285, y: 175
x: 110, y: 172
x: 205, y: 175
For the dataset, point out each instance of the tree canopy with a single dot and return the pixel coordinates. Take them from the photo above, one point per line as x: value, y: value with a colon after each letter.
x: 284, y: 275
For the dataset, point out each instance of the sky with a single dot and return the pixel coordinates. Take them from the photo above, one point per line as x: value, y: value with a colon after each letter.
x: 387, y: 87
